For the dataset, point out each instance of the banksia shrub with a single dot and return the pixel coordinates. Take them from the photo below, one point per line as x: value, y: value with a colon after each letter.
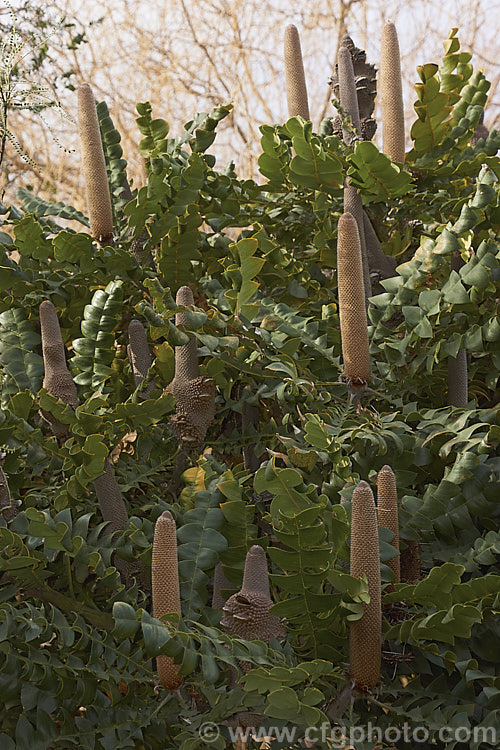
x: 94, y: 167
x: 387, y: 512
x: 57, y: 379
x: 391, y: 89
x: 458, y: 380
x: 139, y: 355
x: 165, y: 589
x: 366, y: 633
x: 194, y: 394
x: 353, y: 324
x: 296, y: 89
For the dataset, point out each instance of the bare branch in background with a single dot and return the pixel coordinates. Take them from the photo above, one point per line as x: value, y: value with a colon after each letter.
x: 187, y: 56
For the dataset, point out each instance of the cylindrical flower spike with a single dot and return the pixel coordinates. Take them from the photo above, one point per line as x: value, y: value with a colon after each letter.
x: 139, y: 355
x: 366, y: 633
x: 393, y: 123
x: 354, y: 205
x: 165, y: 589
x: 296, y: 89
x: 387, y: 512
x: 220, y: 582
x: 347, y: 91
x: 8, y: 508
x: 458, y: 380
x: 410, y: 562
x: 94, y: 167
x: 353, y: 323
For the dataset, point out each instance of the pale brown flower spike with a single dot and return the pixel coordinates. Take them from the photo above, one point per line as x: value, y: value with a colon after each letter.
x: 139, y: 355
x: 8, y: 508
x: 458, y: 380
x: 165, y: 590
x: 391, y: 89
x: 352, y: 199
x: 94, y: 167
x: 296, y: 89
x: 366, y: 633
x: 352, y: 311
x: 387, y: 512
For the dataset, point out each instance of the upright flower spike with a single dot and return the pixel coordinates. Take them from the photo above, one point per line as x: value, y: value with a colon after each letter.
x: 352, y: 199
x: 347, y: 90
x: 194, y: 393
x: 366, y: 633
x: 353, y: 324
x: 57, y: 379
x: 94, y: 167
x: 111, y: 503
x: 296, y: 89
x: 391, y: 89
x: 114, y: 511
x: 458, y: 380
x: 139, y: 355
x: 8, y: 509
x: 165, y: 589
x: 410, y: 562
x: 387, y: 512
x: 220, y: 582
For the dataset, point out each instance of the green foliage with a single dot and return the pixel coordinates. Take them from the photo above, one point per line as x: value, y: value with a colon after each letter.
x: 77, y: 645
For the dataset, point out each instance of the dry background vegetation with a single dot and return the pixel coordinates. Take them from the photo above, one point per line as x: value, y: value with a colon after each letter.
x: 190, y: 55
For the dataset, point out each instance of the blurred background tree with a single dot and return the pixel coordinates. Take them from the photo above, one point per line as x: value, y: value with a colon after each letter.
x: 190, y: 55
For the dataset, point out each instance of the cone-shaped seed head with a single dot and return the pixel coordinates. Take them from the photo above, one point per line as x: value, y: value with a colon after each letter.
x: 347, y: 89
x: 387, y: 511
x: 353, y: 325
x: 186, y: 357
x: 8, y: 509
x: 391, y: 88
x: 94, y: 167
x: 246, y: 613
x: 296, y: 89
x: 366, y: 633
x: 194, y: 393
x: 165, y: 589
x: 57, y: 378
x: 458, y: 380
